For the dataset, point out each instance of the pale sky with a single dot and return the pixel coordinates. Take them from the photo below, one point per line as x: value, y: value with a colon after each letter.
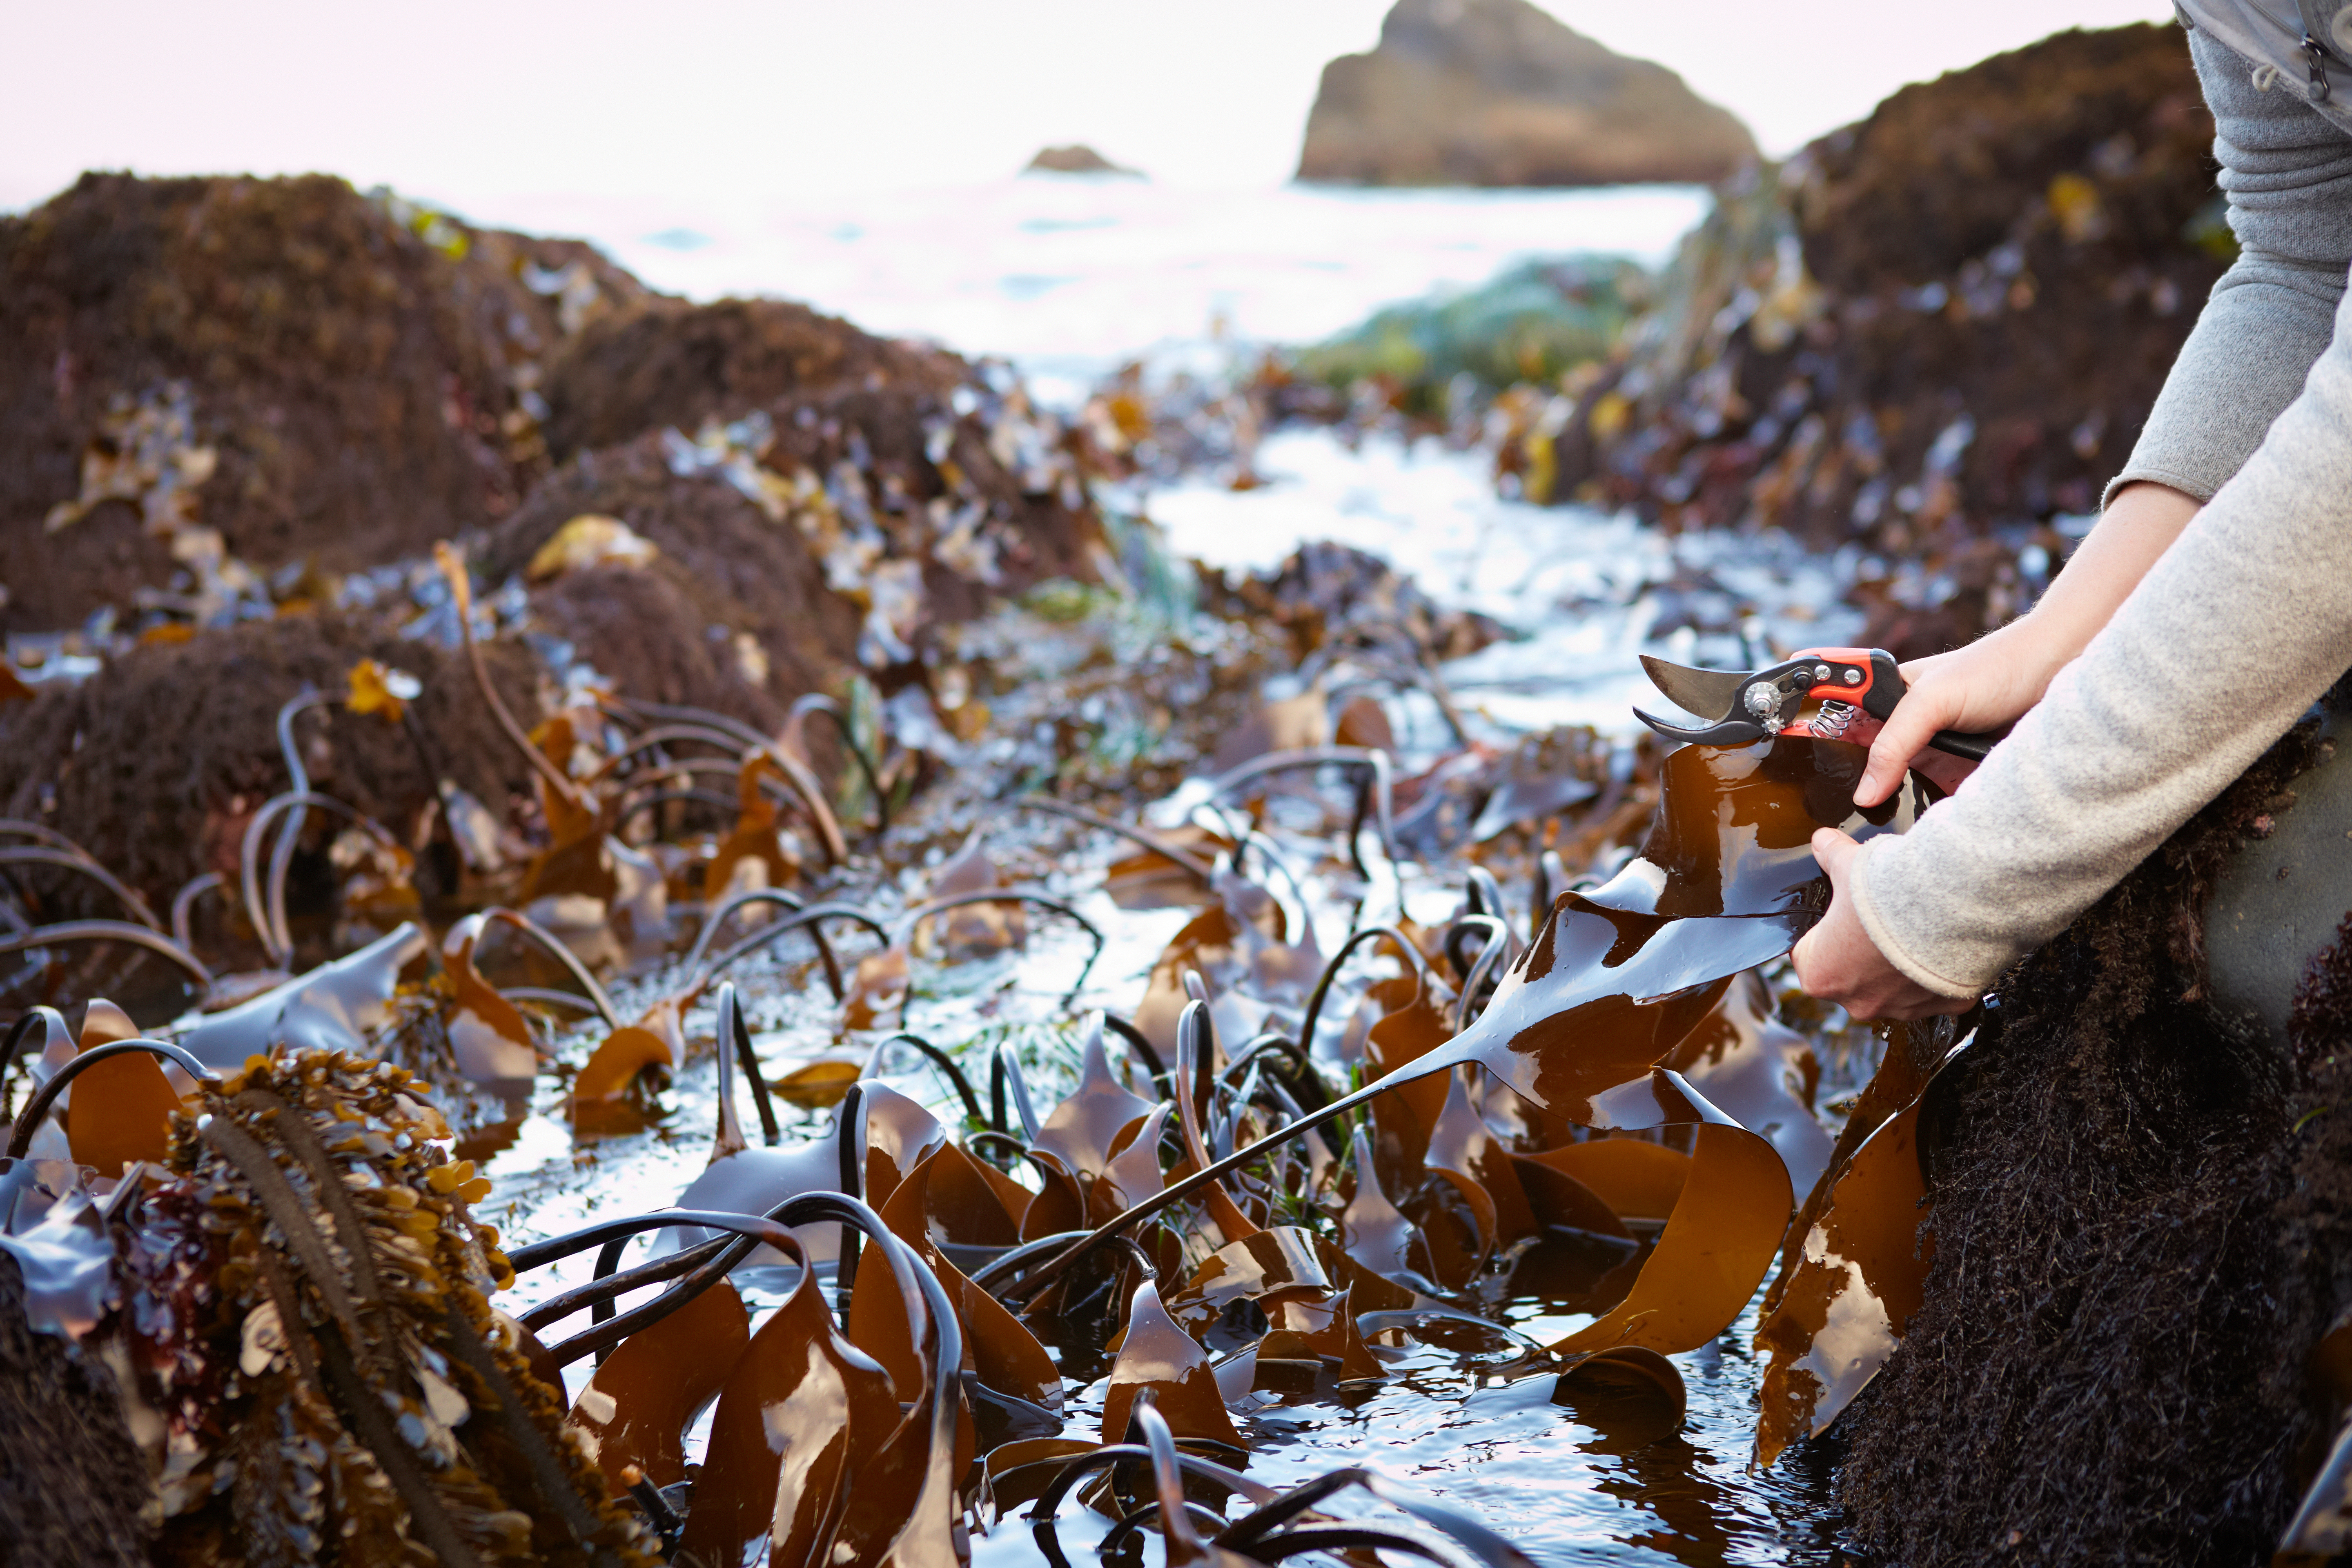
x: 484, y: 105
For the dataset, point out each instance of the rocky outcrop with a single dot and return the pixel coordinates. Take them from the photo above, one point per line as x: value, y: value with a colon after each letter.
x: 1496, y: 92
x: 1946, y: 322
x: 671, y: 364
x: 308, y: 374
x: 235, y: 415
x: 1077, y: 158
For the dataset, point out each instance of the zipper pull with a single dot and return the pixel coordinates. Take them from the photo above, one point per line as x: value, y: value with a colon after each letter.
x: 2320, y: 92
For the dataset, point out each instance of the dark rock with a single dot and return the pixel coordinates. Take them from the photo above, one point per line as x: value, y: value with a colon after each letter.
x: 72, y: 1482
x: 1077, y: 158
x: 775, y: 458
x: 2141, y: 1227
x: 369, y: 380
x: 1328, y: 596
x: 357, y: 377
x: 1948, y: 319
x: 155, y: 764
x: 1496, y: 92
x: 671, y: 364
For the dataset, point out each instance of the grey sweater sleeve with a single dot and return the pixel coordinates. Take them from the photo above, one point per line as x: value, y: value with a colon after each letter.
x: 2288, y: 176
x: 2238, y: 629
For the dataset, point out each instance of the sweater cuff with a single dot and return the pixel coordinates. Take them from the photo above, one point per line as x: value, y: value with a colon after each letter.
x: 2142, y: 473
x: 1896, y: 952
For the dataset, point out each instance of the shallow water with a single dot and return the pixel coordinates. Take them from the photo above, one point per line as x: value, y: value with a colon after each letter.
x: 1066, y: 276
x: 1589, y: 1483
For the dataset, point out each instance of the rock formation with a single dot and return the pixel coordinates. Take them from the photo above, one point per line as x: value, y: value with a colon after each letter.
x: 1945, y: 321
x: 235, y: 414
x: 1077, y: 158
x: 303, y: 371
x: 1496, y: 92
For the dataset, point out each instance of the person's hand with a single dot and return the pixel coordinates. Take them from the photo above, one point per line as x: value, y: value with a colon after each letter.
x: 1981, y: 686
x: 1837, y: 962
x: 1992, y: 681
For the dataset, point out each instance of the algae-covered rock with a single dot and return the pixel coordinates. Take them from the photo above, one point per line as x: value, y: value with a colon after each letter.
x: 1533, y: 322
x: 1954, y: 315
x: 310, y: 373
x: 156, y: 764
x: 1496, y: 92
x: 2139, y: 1231
x: 670, y: 363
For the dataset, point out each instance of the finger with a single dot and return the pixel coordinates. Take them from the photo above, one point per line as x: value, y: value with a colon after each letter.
x: 1835, y: 851
x: 1903, y: 735
x: 1800, y: 959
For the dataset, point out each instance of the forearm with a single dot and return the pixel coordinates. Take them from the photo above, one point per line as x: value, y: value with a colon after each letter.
x: 2137, y: 527
x: 2177, y: 644
x: 2228, y: 638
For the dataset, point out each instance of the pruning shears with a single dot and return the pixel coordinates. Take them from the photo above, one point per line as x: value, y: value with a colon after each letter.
x: 1746, y: 705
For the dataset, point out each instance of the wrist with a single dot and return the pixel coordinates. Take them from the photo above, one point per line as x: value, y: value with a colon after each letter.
x: 2038, y: 644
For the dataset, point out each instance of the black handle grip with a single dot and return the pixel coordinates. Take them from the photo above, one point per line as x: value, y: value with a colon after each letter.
x: 1886, y: 689
x: 1955, y: 743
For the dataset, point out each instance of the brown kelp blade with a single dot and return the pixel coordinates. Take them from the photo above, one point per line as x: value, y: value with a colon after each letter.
x: 1743, y: 1061
x: 121, y: 1108
x: 1841, y: 1307
x: 1464, y: 1150
x: 615, y: 1065
x: 1081, y: 1130
x: 637, y: 1408
x: 1002, y: 1350
x: 1627, y: 1371
x: 1375, y: 1233
x: 1604, y: 994
x: 1733, y: 830
x: 1265, y: 1267
x: 1156, y: 1354
x: 1720, y: 1240
x: 1635, y: 1179
x: 802, y: 1415
x: 493, y: 1044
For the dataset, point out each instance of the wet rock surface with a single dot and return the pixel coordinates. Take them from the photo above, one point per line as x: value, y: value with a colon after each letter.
x: 1496, y: 92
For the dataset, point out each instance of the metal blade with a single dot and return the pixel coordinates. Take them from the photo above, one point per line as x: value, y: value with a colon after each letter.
x: 1730, y: 732
x: 1709, y: 693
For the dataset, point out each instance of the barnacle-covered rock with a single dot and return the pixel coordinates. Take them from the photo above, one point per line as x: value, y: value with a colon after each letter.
x: 318, y: 1365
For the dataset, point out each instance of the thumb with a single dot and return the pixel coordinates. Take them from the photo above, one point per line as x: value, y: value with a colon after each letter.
x: 1902, y: 737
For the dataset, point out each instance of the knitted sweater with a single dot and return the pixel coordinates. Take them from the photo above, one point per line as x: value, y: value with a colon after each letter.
x: 2239, y: 626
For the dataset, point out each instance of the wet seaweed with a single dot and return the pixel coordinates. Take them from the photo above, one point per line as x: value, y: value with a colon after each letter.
x: 2095, y: 1350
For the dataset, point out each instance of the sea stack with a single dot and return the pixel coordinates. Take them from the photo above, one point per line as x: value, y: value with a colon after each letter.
x: 1077, y: 158
x: 1498, y: 93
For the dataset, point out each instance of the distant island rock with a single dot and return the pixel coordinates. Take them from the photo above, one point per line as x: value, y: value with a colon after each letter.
x: 1496, y: 92
x: 1077, y: 158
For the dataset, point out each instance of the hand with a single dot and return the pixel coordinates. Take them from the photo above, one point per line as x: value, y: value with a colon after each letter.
x: 1981, y: 686
x: 1837, y: 962
x: 1991, y: 682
